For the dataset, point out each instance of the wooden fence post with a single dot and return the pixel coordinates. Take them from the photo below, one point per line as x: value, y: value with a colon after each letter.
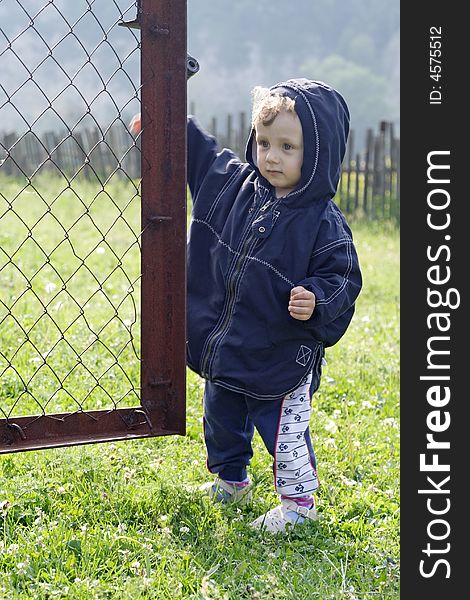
x: 358, y: 176
x: 213, y: 127
x: 350, y: 154
x: 367, y: 169
x: 228, y: 137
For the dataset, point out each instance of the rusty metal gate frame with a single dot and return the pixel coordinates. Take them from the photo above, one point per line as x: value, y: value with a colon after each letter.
x: 163, y: 256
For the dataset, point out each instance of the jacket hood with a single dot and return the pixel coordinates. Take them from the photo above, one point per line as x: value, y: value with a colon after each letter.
x: 324, y: 116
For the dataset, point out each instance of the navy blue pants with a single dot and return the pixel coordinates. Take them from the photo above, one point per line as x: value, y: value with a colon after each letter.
x: 230, y: 419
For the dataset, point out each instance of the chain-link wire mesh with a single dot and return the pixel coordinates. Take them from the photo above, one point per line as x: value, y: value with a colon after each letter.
x: 69, y: 207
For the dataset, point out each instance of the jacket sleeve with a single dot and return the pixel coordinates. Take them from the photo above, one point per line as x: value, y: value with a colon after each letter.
x: 204, y: 158
x: 335, y: 278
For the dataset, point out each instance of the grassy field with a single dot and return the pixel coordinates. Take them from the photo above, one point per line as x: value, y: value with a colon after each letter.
x: 126, y: 520
x: 69, y: 266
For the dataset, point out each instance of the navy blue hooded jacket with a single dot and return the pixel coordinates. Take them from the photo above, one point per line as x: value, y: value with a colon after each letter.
x: 247, y: 249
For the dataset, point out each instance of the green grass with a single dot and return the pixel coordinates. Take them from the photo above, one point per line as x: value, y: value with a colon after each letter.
x: 69, y: 265
x: 126, y: 520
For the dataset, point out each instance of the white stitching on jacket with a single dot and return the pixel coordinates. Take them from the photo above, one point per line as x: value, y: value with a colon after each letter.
x: 347, y: 241
x: 228, y: 183
x: 253, y: 258
x: 345, y: 279
x: 334, y: 244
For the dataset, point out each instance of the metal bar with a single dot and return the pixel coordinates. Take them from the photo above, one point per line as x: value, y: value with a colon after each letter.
x: 163, y: 299
x: 54, y: 430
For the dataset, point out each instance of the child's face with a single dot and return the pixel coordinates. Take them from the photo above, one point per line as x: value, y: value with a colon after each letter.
x: 280, y: 151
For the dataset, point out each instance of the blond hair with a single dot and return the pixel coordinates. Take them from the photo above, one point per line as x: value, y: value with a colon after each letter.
x: 266, y: 105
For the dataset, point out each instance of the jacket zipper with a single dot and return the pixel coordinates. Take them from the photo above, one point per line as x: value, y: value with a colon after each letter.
x: 220, y: 331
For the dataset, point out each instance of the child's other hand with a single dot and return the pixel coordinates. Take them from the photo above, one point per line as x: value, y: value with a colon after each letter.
x: 301, y: 303
x: 135, y: 125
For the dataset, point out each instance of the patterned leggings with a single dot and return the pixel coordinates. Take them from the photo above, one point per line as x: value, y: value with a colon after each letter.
x: 230, y: 419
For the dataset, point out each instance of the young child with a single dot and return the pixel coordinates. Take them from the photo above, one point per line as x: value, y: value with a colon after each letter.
x: 273, y: 276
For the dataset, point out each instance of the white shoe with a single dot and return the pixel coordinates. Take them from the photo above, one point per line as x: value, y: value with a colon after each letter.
x: 228, y: 493
x: 287, y: 514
